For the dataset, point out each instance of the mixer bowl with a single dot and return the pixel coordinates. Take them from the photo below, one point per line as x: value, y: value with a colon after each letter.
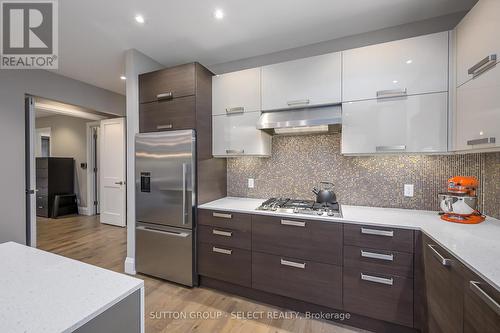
x: 457, y: 204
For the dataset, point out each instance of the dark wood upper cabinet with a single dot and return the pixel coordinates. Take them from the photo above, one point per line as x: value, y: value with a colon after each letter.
x: 173, y: 82
x: 444, y: 283
x: 481, y: 306
x: 169, y: 114
x: 178, y: 98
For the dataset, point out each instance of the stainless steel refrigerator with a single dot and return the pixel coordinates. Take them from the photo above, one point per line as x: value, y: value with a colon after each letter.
x: 165, y: 205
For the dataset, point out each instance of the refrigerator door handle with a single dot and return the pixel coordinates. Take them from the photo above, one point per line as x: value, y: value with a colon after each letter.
x: 164, y: 232
x: 184, y: 191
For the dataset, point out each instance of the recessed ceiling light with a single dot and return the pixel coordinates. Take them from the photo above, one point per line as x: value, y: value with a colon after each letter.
x: 395, y: 81
x: 123, y: 77
x: 219, y: 14
x: 409, y: 61
x: 139, y: 19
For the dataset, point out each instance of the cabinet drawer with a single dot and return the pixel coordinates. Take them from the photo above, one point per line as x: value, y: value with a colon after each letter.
x: 304, y: 239
x: 225, y: 236
x: 42, y: 173
x: 296, y: 278
x: 375, y: 237
x: 179, y: 81
x: 42, y: 201
x: 220, y: 219
x: 379, y: 261
x: 379, y: 296
x: 42, y: 163
x: 225, y: 263
x: 175, y: 114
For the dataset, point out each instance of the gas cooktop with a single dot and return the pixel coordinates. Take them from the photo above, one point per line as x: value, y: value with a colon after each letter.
x: 309, y: 207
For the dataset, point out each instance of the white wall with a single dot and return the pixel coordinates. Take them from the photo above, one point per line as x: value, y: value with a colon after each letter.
x: 69, y: 139
x: 135, y: 63
x: 14, y: 84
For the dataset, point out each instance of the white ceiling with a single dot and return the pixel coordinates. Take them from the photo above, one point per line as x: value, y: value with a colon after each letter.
x: 94, y: 34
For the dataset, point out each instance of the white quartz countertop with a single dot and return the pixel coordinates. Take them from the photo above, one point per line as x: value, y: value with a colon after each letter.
x: 476, y: 246
x: 44, y: 292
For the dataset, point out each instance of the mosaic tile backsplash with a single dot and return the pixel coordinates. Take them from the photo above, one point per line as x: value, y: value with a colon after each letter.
x: 299, y: 163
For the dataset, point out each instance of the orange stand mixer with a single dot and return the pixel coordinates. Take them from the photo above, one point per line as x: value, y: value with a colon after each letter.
x: 459, y: 204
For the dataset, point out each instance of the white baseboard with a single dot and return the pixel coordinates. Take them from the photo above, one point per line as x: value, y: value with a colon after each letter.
x: 84, y: 211
x: 130, y: 266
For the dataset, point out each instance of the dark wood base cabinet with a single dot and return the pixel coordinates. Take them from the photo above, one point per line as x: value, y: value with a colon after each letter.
x: 384, y: 297
x: 383, y: 279
x: 299, y: 279
x: 310, y: 309
x: 456, y: 299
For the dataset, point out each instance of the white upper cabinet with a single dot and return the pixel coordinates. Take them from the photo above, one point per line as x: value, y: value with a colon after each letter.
x: 405, y: 67
x: 236, y: 135
x: 477, y: 40
x: 478, y: 113
x: 300, y: 83
x: 236, y: 92
x: 396, y: 125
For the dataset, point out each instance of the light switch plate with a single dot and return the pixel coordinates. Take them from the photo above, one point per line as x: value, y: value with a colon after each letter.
x: 251, y: 183
x: 409, y: 190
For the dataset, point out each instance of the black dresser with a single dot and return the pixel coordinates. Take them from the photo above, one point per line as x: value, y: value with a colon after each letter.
x: 54, y: 175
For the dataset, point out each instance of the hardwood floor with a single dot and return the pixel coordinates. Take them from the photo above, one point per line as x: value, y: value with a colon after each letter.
x: 84, y: 238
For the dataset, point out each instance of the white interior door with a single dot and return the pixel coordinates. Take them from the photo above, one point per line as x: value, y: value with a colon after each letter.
x: 112, y: 165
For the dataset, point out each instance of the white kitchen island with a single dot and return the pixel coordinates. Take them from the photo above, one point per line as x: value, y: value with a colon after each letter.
x: 44, y: 292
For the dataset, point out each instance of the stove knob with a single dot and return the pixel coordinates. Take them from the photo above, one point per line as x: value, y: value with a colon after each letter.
x: 331, y: 213
x: 319, y: 212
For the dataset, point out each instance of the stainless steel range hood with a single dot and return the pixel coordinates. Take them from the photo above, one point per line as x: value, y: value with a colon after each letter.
x: 301, y: 121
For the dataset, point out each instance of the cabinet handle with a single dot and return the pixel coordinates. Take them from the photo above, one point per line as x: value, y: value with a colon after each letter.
x: 238, y: 109
x: 298, y: 102
x: 222, y: 251
x: 301, y: 265
x: 222, y: 233
x: 222, y: 216
x: 381, y: 256
x: 391, y: 148
x: 475, y: 287
x: 392, y: 93
x: 165, y: 96
x: 40, y: 207
x: 377, y: 279
x: 481, y: 141
x: 161, y: 127
x: 293, y: 223
x: 235, y: 151
x: 376, y: 232
x: 439, y: 257
x: 483, y: 65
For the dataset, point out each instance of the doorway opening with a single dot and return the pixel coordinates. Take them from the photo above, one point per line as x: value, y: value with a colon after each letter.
x: 64, y: 168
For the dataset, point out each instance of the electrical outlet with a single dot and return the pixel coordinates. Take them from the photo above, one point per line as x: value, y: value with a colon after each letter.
x: 409, y: 190
x: 251, y: 183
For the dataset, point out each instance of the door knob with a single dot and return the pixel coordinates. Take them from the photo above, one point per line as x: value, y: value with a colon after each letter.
x: 120, y: 183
